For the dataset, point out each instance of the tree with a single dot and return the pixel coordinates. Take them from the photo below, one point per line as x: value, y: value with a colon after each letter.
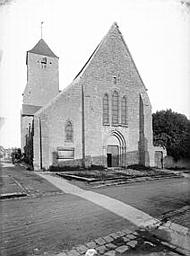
x: 172, y: 131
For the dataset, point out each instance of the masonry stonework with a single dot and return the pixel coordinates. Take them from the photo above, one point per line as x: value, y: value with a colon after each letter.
x: 66, y: 106
x: 110, y: 69
x: 43, y: 79
x: 42, y: 84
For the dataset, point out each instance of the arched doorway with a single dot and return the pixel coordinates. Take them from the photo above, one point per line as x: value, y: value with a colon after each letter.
x: 115, y: 149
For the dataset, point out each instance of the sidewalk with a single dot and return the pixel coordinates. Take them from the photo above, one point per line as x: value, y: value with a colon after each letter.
x: 135, y: 216
x: 142, y: 220
x: 48, y: 221
x: 15, y: 180
x: 67, y: 220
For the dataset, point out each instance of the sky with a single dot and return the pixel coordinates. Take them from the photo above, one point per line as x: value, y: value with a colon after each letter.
x: 157, y: 33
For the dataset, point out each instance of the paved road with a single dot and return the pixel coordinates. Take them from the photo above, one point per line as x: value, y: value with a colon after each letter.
x: 52, y: 222
x: 155, y: 197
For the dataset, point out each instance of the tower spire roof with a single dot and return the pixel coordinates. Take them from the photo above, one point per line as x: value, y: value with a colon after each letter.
x: 43, y: 49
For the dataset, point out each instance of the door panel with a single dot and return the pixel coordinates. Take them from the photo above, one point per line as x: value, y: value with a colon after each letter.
x: 158, y: 159
x: 109, y: 160
x: 113, y: 150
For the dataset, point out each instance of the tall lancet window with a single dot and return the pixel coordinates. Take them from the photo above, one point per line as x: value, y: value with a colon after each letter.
x: 124, y: 110
x: 106, y: 109
x: 69, y: 131
x: 115, y: 108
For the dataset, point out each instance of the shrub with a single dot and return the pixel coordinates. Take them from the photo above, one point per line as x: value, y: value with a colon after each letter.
x: 139, y: 167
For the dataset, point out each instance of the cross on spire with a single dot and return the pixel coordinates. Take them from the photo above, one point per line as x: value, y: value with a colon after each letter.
x: 42, y: 28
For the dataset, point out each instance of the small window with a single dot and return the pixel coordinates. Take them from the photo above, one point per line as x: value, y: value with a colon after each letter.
x: 124, y: 110
x: 105, y: 109
x: 69, y: 131
x: 115, y: 108
x: 115, y: 80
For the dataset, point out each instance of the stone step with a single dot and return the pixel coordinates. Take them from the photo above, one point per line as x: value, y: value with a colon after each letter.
x: 131, y: 180
x: 117, y: 180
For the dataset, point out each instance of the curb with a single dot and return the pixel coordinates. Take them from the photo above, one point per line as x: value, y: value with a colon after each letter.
x: 174, y: 236
x: 118, y: 243
x: 137, y: 180
x: 12, y: 195
x: 106, y: 244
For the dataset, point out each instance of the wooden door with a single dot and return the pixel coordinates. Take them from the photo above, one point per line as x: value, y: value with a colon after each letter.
x: 158, y: 159
x: 113, y: 156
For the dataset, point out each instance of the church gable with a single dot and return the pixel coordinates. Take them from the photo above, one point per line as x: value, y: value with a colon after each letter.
x: 104, y: 112
x: 111, y: 61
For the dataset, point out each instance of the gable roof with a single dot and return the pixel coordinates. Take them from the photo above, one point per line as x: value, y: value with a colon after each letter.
x: 114, y: 28
x: 29, y: 110
x: 42, y: 48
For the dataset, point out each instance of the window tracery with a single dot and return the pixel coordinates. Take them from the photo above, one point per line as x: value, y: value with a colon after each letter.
x: 115, y: 108
x: 69, y: 131
x: 106, y: 109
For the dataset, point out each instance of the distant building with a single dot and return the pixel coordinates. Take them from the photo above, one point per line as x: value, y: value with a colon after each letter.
x: 102, y: 118
x: 5, y: 153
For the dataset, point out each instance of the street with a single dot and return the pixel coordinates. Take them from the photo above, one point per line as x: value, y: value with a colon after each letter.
x: 48, y: 221
x: 155, y: 197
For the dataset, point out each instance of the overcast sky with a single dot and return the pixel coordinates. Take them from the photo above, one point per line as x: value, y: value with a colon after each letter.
x: 157, y: 33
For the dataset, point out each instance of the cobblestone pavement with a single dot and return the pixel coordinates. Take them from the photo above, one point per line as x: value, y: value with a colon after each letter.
x: 155, y: 197
x: 132, y: 214
x: 135, y: 216
x: 124, y: 242
x: 27, y: 181
x: 182, y: 219
x: 9, y: 186
x: 49, y: 221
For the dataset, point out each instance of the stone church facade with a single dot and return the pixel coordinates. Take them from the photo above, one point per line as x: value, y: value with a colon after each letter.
x: 102, y: 118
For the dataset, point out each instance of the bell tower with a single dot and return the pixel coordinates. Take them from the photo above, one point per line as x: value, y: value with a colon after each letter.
x: 42, y: 75
x: 42, y: 86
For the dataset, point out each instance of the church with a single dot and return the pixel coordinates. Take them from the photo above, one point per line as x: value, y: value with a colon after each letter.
x: 103, y: 118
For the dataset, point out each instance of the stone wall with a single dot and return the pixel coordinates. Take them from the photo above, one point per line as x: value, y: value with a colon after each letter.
x: 25, y: 121
x: 169, y: 162
x: 42, y: 86
x: 42, y: 80
x: 109, y: 69
x: 65, y: 107
x: 112, y: 68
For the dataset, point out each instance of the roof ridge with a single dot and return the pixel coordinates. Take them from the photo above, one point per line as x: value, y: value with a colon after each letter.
x: 113, y: 27
x: 42, y: 48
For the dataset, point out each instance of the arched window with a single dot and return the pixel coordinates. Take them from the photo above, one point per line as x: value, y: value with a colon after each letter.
x: 69, y: 131
x: 115, y: 108
x: 124, y: 110
x: 106, y: 109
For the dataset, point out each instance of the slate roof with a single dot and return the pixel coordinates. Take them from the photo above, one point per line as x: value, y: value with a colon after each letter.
x: 29, y: 110
x: 43, y: 49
